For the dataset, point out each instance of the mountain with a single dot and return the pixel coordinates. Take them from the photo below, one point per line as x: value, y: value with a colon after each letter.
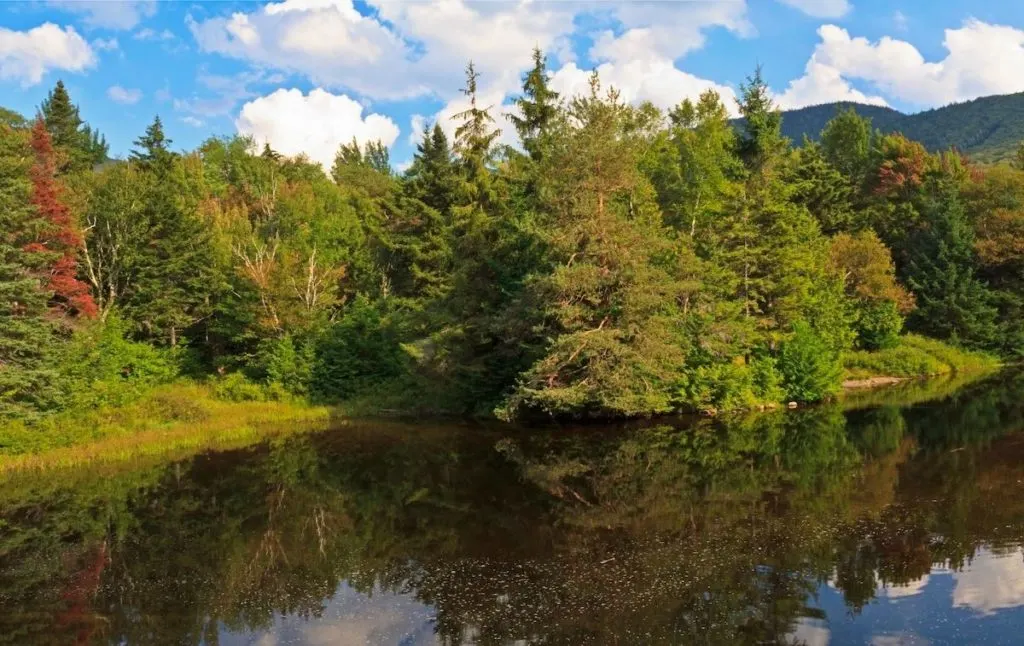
x: 986, y: 129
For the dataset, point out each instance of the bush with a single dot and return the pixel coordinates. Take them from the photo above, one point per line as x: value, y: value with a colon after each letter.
x: 732, y: 386
x: 357, y: 353
x: 878, y: 326
x: 915, y: 356
x: 235, y: 387
x: 810, y: 369
x: 103, y: 367
x: 287, y: 361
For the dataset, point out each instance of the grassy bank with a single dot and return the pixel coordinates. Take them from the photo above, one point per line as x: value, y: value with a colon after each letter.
x: 916, y: 356
x: 168, y: 420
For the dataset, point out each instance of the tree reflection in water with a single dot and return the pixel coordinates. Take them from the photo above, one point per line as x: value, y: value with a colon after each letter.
x: 715, y: 532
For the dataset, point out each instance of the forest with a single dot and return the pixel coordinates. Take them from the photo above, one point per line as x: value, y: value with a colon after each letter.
x: 617, y: 262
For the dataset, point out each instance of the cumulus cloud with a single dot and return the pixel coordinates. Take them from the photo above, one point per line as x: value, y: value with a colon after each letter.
x: 982, y: 59
x: 992, y: 582
x: 26, y: 56
x: 822, y: 84
x: 125, y: 96
x: 123, y: 14
x: 314, y: 124
x: 820, y: 8
x: 655, y: 80
x: 667, y: 30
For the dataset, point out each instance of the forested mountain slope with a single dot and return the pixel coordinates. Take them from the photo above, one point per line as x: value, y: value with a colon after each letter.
x: 986, y: 129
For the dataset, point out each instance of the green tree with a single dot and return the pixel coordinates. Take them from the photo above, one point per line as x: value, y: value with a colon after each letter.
x: 611, y: 305
x: 28, y: 339
x: 846, y: 144
x: 538, y: 107
x: 82, y: 146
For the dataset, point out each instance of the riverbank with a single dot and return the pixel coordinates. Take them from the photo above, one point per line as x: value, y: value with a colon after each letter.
x: 914, y: 357
x: 179, y: 418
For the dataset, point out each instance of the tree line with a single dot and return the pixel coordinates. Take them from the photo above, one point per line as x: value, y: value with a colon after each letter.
x: 618, y: 261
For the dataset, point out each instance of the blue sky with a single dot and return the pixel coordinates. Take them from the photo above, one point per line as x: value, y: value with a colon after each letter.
x: 307, y: 74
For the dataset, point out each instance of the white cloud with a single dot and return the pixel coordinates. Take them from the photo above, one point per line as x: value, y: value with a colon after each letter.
x: 122, y: 14
x: 223, y: 93
x: 654, y: 80
x: 991, y: 582
x: 820, y: 8
x: 150, y: 34
x: 329, y: 42
x: 667, y: 30
x: 314, y: 124
x: 106, y: 44
x: 982, y: 59
x: 416, y: 124
x: 822, y: 84
x: 28, y: 55
x: 126, y: 96
x: 192, y: 121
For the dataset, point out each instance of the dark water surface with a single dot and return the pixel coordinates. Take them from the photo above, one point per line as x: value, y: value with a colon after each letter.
x: 895, y: 519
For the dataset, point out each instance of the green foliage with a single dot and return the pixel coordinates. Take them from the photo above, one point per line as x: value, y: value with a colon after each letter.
x: 103, y: 367
x: 288, y: 362
x: 359, y: 352
x: 732, y: 386
x: 878, y: 326
x: 811, y: 370
x: 81, y: 146
x: 915, y: 356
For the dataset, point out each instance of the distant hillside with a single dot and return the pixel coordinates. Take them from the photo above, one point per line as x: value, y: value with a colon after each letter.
x: 987, y: 129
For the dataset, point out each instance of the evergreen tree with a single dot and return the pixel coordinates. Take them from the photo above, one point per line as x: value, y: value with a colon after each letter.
x: 433, y: 177
x: 761, y: 140
x: 538, y: 107
x: 611, y: 303
x: 81, y: 146
x: 27, y: 336
x: 152, y: 150
x: 56, y: 238
x: 821, y: 189
x: 952, y: 303
x: 474, y: 139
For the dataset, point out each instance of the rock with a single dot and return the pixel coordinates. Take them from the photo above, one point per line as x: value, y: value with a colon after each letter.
x: 792, y: 404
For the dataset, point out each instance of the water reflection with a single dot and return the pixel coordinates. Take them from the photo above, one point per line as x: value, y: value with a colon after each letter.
x: 878, y: 521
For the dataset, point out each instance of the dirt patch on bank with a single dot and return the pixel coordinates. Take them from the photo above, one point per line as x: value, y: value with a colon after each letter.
x: 872, y: 382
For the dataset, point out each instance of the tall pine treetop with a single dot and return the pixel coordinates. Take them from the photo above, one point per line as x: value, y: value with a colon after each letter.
x: 82, y: 146
x: 152, y: 149
x: 538, y: 105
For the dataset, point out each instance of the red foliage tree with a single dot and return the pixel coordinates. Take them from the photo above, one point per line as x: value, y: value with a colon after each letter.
x: 56, y: 236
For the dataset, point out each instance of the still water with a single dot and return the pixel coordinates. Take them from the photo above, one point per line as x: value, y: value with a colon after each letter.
x: 896, y: 518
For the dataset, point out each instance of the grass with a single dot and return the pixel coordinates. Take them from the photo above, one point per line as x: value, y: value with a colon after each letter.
x: 916, y: 356
x: 175, y: 419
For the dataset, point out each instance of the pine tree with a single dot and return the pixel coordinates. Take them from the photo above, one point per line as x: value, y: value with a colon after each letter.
x: 56, y: 239
x: 822, y: 189
x: 952, y: 303
x: 538, y: 107
x: 27, y: 335
x: 81, y: 146
x: 152, y: 150
x: 761, y: 141
x: 175, y: 266
x: 474, y: 138
x: 611, y: 304
x: 433, y: 177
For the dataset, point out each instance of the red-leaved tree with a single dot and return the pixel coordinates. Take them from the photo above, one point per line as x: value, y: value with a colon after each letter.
x: 56, y: 236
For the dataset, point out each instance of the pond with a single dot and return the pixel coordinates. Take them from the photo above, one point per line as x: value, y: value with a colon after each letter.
x: 892, y: 518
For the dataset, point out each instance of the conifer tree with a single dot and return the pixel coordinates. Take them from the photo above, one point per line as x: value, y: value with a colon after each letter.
x: 56, y: 238
x: 27, y: 336
x: 538, y: 107
x: 81, y: 146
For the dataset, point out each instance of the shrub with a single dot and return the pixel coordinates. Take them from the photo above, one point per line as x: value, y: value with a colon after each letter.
x: 811, y: 370
x: 235, y: 387
x: 359, y: 352
x: 878, y: 326
x: 287, y: 361
x: 732, y: 386
x: 103, y: 367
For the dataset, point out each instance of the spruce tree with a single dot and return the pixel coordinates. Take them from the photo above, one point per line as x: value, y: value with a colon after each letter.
x: 81, y: 146
x: 538, y: 107
x: 28, y: 378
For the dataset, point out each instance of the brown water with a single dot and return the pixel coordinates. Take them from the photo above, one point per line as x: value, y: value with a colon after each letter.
x: 879, y: 522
